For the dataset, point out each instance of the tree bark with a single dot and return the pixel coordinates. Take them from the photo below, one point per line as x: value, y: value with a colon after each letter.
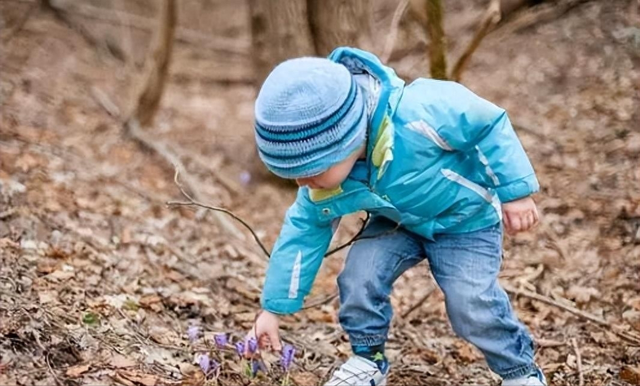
x: 157, y: 67
x: 279, y: 30
x: 438, y: 40
x: 340, y: 23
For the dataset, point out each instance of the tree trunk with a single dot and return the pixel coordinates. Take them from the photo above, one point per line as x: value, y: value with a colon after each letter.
x: 279, y: 30
x: 157, y: 67
x: 437, y: 40
x: 340, y: 23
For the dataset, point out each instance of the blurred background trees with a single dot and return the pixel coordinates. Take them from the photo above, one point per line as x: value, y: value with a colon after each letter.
x: 226, y: 41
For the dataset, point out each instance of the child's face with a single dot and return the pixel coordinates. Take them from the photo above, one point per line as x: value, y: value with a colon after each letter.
x: 332, y: 177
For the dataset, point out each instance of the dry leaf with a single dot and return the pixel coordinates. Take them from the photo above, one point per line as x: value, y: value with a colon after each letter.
x: 195, y: 378
x: 120, y: 362
x: 162, y: 335
x: 78, y: 370
x: 465, y: 352
x: 143, y: 379
x: 631, y: 374
x: 633, y: 318
x: 306, y: 378
x: 47, y: 296
x: 582, y: 294
x: 151, y: 301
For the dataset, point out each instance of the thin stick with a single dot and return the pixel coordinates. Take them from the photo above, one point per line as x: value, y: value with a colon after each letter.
x: 593, y: 318
x: 192, y: 202
x: 353, y: 239
x: 574, y: 343
x: 393, y: 31
x: 321, y: 302
x: 417, y: 304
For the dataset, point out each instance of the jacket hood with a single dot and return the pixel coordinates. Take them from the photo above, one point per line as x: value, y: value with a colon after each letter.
x: 359, y: 61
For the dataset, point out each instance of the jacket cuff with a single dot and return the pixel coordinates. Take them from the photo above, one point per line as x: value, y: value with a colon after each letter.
x: 282, y: 306
x: 518, y: 189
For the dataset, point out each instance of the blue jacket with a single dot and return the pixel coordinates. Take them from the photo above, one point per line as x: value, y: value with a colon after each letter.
x: 440, y: 159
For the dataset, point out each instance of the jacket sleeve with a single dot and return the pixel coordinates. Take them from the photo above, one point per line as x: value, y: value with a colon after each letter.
x: 469, y: 123
x: 296, y: 257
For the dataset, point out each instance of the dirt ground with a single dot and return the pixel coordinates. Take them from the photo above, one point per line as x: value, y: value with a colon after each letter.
x: 100, y: 280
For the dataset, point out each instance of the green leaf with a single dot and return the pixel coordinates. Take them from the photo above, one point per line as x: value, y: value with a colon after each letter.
x: 91, y: 319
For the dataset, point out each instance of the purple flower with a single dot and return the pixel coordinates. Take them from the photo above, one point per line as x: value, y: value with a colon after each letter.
x: 240, y: 348
x: 205, y: 363
x: 193, y: 333
x: 221, y: 340
x: 288, y: 353
x: 253, y: 345
x: 255, y: 368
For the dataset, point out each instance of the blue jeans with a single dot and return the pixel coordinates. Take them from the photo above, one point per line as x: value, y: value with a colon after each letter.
x: 466, y: 268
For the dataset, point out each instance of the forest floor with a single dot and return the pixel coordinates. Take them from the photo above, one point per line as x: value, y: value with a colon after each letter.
x: 100, y: 280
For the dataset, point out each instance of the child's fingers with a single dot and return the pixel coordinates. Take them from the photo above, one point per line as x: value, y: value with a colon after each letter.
x: 275, y: 340
x: 507, y: 222
x: 516, y: 223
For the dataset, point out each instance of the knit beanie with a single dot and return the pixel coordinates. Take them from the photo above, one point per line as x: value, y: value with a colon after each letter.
x: 310, y: 115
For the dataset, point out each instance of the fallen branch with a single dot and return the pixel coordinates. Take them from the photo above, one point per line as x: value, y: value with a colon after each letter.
x: 489, y: 21
x: 19, y: 25
x: 393, y: 30
x: 574, y: 343
x: 148, y: 101
x: 73, y: 25
x: 172, y: 159
x: 417, y: 304
x: 632, y: 338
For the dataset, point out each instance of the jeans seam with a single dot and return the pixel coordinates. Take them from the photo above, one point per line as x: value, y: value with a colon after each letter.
x: 518, y: 372
x: 402, y: 259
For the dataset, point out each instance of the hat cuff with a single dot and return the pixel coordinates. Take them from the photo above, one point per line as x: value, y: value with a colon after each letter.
x: 322, y: 164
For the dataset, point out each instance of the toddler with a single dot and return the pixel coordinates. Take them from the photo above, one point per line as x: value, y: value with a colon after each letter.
x: 441, y: 172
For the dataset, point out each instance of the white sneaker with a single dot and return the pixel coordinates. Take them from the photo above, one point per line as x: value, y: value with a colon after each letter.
x: 358, y: 371
x: 535, y: 379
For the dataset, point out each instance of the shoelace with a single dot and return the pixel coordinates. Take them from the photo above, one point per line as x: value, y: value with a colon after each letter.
x: 346, y: 372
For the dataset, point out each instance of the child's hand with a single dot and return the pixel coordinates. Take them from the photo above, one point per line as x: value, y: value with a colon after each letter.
x: 519, y: 215
x: 266, y: 331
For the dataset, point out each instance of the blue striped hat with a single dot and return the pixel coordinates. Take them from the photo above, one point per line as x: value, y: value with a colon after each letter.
x: 310, y: 115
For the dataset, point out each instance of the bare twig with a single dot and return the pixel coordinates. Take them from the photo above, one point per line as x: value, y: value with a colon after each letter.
x: 327, y: 299
x: 192, y: 202
x: 417, y: 304
x: 590, y: 317
x: 53, y: 374
x: 540, y: 14
x: 574, y: 343
x: 355, y: 238
x: 393, y: 30
x: 72, y: 24
x: 489, y: 21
